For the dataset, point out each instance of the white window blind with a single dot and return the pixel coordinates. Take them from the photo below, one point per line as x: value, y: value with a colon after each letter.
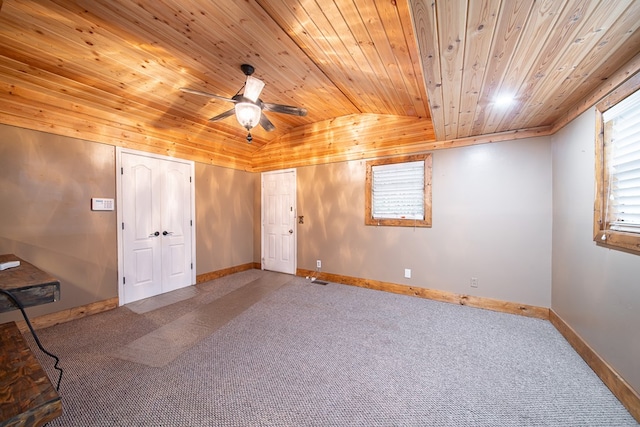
x: 398, y: 191
x: 623, y: 204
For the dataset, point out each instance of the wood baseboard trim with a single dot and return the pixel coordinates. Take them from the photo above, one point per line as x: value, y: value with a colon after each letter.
x: 69, y: 314
x: 205, y: 277
x: 618, y: 386
x: 450, y: 297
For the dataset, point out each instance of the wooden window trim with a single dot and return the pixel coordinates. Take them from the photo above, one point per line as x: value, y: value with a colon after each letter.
x: 426, y: 222
x: 627, y: 242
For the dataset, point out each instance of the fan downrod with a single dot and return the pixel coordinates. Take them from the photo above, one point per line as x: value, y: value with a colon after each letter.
x: 247, y: 69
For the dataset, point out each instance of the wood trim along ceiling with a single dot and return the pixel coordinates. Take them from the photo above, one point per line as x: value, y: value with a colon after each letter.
x: 378, y: 78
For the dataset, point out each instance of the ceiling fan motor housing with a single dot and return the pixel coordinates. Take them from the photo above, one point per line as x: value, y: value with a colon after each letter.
x: 247, y: 69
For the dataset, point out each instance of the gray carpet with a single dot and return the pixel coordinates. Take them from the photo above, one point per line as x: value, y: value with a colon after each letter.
x: 163, y: 345
x: 334, y: 355
x: 149, y: 304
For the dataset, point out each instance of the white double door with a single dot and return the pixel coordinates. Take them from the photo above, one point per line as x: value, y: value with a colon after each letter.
x: 157, y: 230
x: 279, y: 221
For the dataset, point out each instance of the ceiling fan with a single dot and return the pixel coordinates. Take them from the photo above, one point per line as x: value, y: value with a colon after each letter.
x: 248, y: 106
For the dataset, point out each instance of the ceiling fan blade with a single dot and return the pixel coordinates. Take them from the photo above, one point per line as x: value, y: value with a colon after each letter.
x: 210, y: 95
x: 223, y: 115
x: 252, y: 88
x: 266, y: 123
x: 285, y: 109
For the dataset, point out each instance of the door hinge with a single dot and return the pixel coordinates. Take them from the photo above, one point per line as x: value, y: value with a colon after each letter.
x: 124, y: 281
x: 190, y: 179
x: 123, y: 225
x: 121, y: 171
x: 192, y: 266
x: 191, y: 222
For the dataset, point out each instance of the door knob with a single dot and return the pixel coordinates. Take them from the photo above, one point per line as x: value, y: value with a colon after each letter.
x: 166, y: 233
x: 156, y: 234
x: 291, y: 231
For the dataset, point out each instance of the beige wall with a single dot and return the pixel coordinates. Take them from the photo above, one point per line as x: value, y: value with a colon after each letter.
x: 257, y: 218
x: 224, y: 217
x: 46, y: 185
x: 595, y: 290
x: 491, y: 220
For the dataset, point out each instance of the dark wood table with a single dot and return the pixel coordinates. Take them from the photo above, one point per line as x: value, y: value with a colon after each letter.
x: 27, y: 397
x: 28, y: 283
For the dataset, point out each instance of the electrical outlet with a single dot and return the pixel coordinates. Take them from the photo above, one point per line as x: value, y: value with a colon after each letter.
x: 474, y: 282
x: 407, y: 273
x: 318, y: 264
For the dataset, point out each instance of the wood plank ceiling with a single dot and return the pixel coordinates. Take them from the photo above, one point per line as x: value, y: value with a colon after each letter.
x: 378, y: 77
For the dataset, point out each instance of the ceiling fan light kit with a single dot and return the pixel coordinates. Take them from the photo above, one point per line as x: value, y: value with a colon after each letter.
x: 248, y: 114
x: 252, y: 88
x: 248, y: 106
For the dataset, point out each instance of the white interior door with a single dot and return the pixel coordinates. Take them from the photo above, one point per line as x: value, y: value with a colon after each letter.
x: 140, y: 229
x: 155, y: 208
x: 279, y: 221
x: 176, y: 226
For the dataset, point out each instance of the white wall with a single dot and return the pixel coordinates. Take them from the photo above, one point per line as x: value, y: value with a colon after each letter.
x: 594, y: 289
x: 491, y: 220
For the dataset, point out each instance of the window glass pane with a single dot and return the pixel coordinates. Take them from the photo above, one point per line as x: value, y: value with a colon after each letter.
x: 398, y: 190
x: 622, y: 122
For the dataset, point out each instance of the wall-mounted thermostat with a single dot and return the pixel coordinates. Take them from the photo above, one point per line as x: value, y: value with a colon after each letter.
x: 99, y: 204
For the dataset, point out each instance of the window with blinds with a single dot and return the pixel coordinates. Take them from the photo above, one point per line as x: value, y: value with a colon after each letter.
x: 398, y: 191
x: 621, y: 125
x: 616, y: 218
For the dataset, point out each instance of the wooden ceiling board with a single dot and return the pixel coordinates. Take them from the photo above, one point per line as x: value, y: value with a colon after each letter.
x: 377, y: 77
x: 329, y: 41
x: 530, y: 25
x: 508, y: 35
x: 79, y: 74
x: 425, y: 26
x: 382, y: 39
x: 452, y: 36
x: 344, y: 138
x: 480, y: 27
x: 596, y: 65
x: 376, y: 60
x: 233, y: 50
x: 416, y: 86
x: 550, y: 68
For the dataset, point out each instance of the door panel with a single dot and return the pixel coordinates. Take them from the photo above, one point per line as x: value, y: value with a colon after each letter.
x: 278, y: 225
x: 142, y: 271
x: 176, y: 218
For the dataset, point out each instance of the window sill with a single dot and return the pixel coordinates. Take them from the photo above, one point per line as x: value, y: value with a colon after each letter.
x: 618, y: 240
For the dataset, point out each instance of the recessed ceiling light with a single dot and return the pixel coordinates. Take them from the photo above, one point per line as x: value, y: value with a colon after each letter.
x: 503, y: 100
